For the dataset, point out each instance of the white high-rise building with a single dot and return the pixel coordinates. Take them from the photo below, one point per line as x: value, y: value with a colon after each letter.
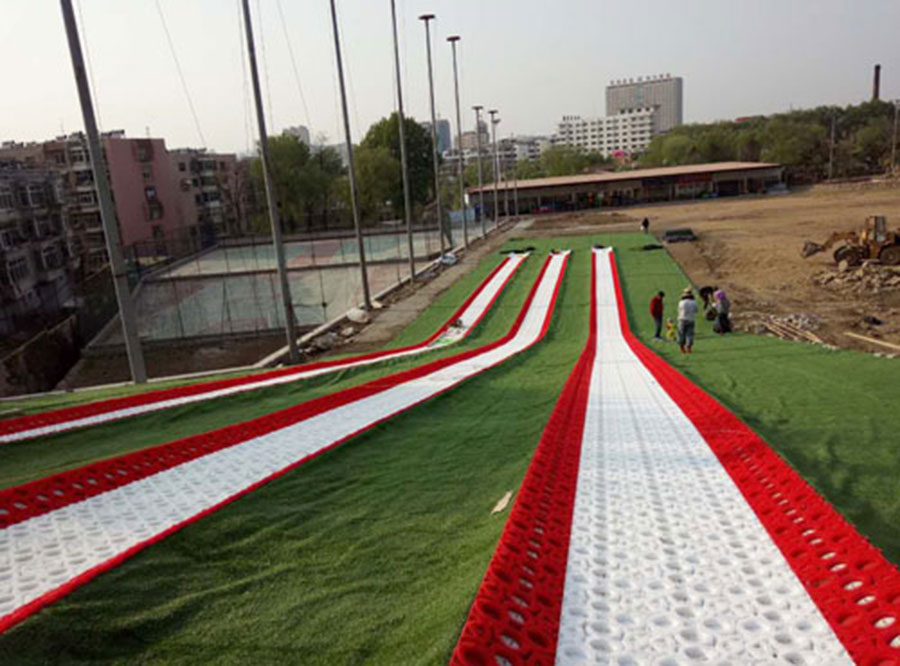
x: 298, y: 131
x: 628, y: 131
x: 664, y: 93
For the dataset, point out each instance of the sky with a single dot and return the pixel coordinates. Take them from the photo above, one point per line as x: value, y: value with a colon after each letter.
x: 534, y: 60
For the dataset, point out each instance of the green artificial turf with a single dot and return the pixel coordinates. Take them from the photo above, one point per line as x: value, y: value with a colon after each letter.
x: 369, y: 554
x: 372, y: 553
x: 33, y: 459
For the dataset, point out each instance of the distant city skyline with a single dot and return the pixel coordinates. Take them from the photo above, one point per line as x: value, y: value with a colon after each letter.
x: 533, y: 61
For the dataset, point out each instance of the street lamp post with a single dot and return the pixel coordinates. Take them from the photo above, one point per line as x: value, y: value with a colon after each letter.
x: 478, y: 109
x: 453, y: 39
x: 445, y: 234
x: 401, y: 121
x: 122, y: 291
x: 354, y: 199
x: 494, y: 121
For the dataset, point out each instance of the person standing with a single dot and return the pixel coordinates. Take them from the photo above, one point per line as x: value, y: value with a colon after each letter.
x: 656, y: 311
x: 687, y: 317
x: 645, y: 225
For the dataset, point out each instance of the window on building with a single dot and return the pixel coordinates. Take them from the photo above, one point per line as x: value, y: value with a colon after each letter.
x: 154, y: 211
x: 181, y: 166
x: 87, y: 198
x: 17, y: 269
x: 150, y: 193
x: 147, y: 173
x: 23, y: 197
x: 6, y: 199
x: 78, y: 156
x: 51, y: 258
x: 222, y: 166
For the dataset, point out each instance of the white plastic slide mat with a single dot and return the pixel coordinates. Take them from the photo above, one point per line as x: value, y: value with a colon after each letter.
x: 668, y: 564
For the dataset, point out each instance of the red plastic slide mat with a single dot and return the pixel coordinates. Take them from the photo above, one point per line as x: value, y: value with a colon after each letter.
x: 515, y: 616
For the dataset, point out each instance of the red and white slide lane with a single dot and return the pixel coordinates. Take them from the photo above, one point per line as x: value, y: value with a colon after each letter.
x: 680, y: 538
x: 460, y: 324
x: 58, y: 533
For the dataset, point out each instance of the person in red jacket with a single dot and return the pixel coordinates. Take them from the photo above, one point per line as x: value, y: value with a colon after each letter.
x: 656, y: 311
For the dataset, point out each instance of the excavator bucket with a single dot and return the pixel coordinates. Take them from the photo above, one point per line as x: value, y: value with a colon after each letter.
x: 810, y: 248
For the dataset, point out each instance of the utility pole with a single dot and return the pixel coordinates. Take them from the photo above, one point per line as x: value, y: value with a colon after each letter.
x: 494, y: 121
x: 831, y: 150
x: 401, y: 121
x: 272, y: 204
x: 478, y: 109
x: 444, y: 232
x: 107, y: 208
x: 351, y: 168
x: 462, y: 188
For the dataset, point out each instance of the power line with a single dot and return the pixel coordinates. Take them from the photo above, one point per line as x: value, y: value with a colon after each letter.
x: 293, y: 62
x: 265, y: 63
x: 246, y: 83
x: 184, y: 85
x: 90, y: 66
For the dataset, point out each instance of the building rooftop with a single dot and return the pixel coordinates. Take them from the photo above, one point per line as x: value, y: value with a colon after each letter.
x: 615, y: 176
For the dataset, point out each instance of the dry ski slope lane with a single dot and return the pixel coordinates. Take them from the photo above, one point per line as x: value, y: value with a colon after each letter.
x: 455, y: 329
x: 653, y: 527
x: 47, y: 555
x: 667, y: 561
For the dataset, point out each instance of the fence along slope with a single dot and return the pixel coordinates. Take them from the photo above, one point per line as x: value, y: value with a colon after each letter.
x: 470, y: 313
x: 68, y: 528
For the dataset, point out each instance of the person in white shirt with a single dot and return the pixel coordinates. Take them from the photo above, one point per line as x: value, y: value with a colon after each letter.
x: 687, y: 316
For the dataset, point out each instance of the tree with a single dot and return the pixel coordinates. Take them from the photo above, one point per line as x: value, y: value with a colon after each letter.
x: 378, y: 181
x: 563, y: 161
x: 287, y: 159
x: 386, y: 134
x: 873, y: 144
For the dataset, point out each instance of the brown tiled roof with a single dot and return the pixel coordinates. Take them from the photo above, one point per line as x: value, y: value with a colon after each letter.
x: 614, y: 176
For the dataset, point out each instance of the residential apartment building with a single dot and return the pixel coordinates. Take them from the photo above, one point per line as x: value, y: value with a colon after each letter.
x: 628, y: 131
x: 36, y: 247
x: 158, y: 194
x: 208, y: 190
x: 663, y: 93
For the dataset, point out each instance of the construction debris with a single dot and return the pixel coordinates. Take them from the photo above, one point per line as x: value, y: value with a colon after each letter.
x: 870, y: 278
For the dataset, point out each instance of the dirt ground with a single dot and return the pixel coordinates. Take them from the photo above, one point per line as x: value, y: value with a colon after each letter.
x: 750, y: 247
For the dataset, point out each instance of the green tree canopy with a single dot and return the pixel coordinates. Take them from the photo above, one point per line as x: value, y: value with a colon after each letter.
x: 386, y: 134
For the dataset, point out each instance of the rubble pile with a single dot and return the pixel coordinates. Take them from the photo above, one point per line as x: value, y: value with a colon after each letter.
x: 870, y: 278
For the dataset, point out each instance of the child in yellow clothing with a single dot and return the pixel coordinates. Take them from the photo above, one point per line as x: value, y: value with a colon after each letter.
x: 670, y: 329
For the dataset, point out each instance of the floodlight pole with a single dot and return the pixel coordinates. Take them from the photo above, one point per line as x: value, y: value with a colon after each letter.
x: 401, y: 122
x: 107, y: 208
x: 494, y: 121
x: 272, y: 204
x: 478, y: 109
x: 515, y: 175
x: 351, y: 169
x: 453, y: 39
x: 426, y: 18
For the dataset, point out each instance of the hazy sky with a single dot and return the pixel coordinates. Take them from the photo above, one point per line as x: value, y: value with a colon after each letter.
x: 535, y: 60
